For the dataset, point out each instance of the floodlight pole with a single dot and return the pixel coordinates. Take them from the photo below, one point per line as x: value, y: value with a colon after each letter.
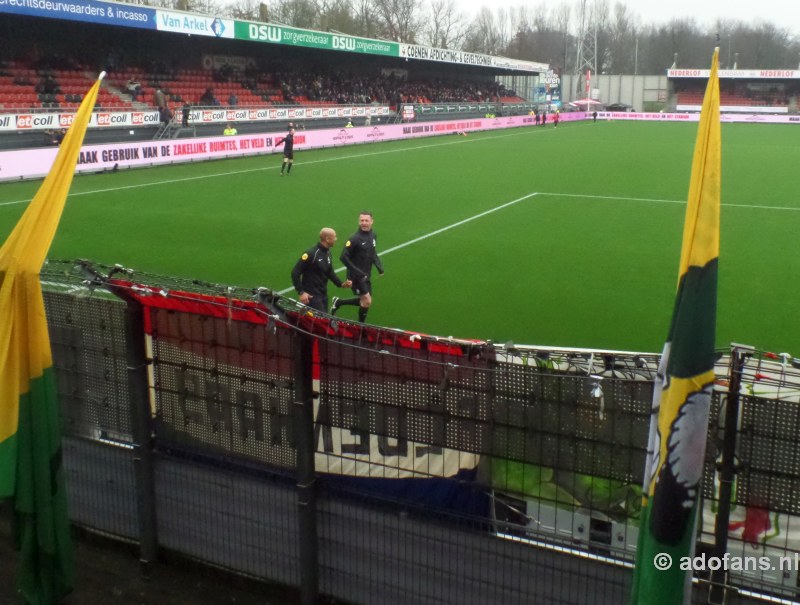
x: 587, y: 43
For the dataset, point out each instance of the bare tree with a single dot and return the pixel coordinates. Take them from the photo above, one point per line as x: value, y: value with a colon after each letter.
x: 249, y: 10
x: 621, y: 42
x: 446, y: 27
x: 600, y: 20
x: 728, y: 31
x: 337, y: 15
x: 297, y: 13
x: 399, y: 19
x: 504, y: 29
x: 562, y: 21
x: 767, y: 46
x: 364, y: 21
x: 207, y: 7
x: 481, y: 35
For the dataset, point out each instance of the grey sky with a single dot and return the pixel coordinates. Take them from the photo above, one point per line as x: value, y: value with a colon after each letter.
x: 783, y: 13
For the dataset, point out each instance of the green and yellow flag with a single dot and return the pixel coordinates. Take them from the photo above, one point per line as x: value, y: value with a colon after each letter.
x: 682, y: 392
x: 30, y: 431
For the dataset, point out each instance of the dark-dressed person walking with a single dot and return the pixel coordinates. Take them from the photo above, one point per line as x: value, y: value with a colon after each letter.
x: 312, y: 272
x: 359, y: 255
x: 288, y: 151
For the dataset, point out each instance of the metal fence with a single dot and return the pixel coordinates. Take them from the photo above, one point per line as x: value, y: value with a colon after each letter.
x: 382, y: 466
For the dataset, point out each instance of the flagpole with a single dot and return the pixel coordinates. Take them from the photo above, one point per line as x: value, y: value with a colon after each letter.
x: 727, y: 468
x: 671, y: 495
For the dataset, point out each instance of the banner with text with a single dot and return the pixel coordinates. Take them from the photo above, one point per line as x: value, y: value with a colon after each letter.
x: 283, y: 34
x: 22, y: 122
x: 695, y: 117
x: 742, y: 74
x: 107, y: 13
x: 34, y: 163
x: 444, y: 55
x: 199, y: 25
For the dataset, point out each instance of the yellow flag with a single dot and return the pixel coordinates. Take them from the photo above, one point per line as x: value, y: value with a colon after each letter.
x: 682, y: 393
x: 30, y: 431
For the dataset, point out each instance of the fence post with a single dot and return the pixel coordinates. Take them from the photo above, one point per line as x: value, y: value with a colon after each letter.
x: 141, y: 419
x: 727, y: 470
x: 303, y: 423
x: 139, y: 397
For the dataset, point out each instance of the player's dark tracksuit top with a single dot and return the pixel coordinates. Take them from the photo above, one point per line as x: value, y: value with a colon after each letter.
x: 313, y: 270
x: 360, y: 254
x: 288, y: 143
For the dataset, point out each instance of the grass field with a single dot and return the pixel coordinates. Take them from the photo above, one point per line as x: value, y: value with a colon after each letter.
x: 564, y: 237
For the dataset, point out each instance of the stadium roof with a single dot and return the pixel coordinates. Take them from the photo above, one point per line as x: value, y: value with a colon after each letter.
x: 144, y: 17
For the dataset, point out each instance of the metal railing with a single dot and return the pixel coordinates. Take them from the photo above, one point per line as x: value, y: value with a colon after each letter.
x: 377, y: 465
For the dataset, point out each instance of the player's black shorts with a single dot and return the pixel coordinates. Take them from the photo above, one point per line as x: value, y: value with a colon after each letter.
x: 361, y: 286
x: 319, y: 302
x: 289, y: 155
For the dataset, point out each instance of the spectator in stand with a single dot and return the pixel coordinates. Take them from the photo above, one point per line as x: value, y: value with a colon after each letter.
x: 208, y: 98
x: 134, y: 88
x: 159, y: 100
x: 233, y: 100
x: 164, y: 115
x: 186, y: 113
x: 55, y: 137
x: 49, y: 85
x: 224, y: 73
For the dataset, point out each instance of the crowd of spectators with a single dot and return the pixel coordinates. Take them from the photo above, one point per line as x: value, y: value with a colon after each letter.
x: 382, y: 88
x: 165, y: 84
x: 302, y: 85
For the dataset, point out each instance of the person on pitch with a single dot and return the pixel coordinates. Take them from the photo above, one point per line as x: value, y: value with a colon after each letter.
x: 359, y: 255
x: 312, y: 272
x: 288, y: 151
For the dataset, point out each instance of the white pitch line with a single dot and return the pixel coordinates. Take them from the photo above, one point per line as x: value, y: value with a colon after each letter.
x: 459, y: 223
x: 659, y: 201
x: 443, y: 229
x: 536, y: 193
x: 613, y: 197
x: 460, y: 141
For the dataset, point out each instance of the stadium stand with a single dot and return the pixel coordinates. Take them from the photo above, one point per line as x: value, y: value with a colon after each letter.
x: 741, y: 95
x: 46, y: 66
x: 25, y: 86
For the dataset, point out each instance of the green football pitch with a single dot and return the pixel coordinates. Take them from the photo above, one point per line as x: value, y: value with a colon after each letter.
x: 562, y: 237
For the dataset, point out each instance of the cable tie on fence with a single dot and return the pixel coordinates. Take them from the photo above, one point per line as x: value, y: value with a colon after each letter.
x: 597, y: 395
x: 229, y: 296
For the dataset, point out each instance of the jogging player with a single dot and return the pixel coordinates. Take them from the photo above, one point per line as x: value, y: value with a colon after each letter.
x: 311, y: 273
x: 288, y: 151
x: 359, y: 254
